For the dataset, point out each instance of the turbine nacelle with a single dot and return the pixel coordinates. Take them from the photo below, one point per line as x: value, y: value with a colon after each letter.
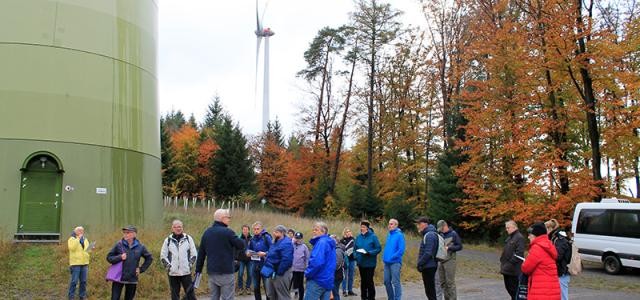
x: 265, y: 32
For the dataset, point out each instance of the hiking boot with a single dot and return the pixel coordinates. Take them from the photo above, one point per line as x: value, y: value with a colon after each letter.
x: 248, y: 291
x: 351, y: 293
x: 344, y: 294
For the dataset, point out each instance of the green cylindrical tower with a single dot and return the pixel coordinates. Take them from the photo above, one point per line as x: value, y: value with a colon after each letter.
x: 79, y: 129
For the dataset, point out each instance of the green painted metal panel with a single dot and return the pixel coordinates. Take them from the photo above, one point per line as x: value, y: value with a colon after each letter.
x: 40, y: 197
x: 132, y: 181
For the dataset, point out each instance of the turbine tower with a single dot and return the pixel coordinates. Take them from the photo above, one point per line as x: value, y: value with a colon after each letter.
x: 260, y: 34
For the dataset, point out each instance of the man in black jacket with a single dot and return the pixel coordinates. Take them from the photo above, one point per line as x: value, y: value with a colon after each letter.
x: 219, y: 243
x: 129, y: 251
x: 509, y: 263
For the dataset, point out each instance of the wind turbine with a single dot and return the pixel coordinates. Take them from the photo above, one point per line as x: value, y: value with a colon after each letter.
x: 260, y: 34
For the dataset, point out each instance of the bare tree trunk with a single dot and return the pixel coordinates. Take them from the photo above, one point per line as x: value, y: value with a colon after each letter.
x: 322, y: 85
x: 343, y: 124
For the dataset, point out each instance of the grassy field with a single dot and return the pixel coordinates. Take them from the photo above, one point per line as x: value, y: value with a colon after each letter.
x: 41, y: 271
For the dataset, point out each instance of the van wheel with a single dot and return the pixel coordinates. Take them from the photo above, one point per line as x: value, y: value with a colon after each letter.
x: 612, y: 264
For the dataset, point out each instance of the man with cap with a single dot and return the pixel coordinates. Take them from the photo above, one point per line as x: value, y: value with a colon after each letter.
x: 277, y: 267
x: 300, y: 262
x: 427, y: 264
x: 367, y: 248
x: 219, y: 245
x: 322, y: 262
x: 447, y: 268
x: 128, y: 251
x: 540, y: 265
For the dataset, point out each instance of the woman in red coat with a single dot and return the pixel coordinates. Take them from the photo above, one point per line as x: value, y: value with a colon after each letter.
x: 540, y: 265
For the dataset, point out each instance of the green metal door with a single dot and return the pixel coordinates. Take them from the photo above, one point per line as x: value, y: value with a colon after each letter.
x: 40, y: 196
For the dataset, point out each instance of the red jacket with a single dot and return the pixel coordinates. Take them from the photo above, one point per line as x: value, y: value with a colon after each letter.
x: 541, y: 268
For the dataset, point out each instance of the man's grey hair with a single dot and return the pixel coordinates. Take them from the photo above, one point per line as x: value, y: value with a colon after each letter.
x: 176, y: 222
x: 257, y: 223
x: 78, y: 228
x: 323, y: 227
x: 217, y: 216
x: 394, y: 221
x: 280, y: 228
x: 512, y: 223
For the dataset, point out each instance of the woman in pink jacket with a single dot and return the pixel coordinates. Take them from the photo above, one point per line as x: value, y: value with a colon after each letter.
x: 540, y: 265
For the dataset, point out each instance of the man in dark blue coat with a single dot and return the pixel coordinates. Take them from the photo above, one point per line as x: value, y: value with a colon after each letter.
x: 219, y: 243
x: 427, y: 264
x: 128, y: 251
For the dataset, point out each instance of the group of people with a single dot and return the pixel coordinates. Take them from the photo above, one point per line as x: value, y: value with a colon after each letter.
x: 279, y: 260
x: 545, y: 270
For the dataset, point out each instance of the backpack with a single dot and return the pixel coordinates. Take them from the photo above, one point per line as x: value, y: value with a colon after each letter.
x: 575, y: 265
x: 441, y: 252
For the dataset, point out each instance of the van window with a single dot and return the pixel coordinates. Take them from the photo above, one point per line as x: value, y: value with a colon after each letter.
x: 612, y: 222
x: 594, y: 221
x: 626, y: 223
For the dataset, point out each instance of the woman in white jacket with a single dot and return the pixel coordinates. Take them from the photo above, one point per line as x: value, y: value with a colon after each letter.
x: 178, y: 255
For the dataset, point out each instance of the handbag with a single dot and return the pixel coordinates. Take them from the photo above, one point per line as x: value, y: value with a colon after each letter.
x: 114, y: 273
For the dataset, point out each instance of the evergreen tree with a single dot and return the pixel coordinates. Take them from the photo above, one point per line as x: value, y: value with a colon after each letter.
x: 215, y: 115
x: 174, y: 121
x: 274, y: 132
x: 444, y: 189
x: 192, y: 122
x: 166, y: 156
x: 231, y: 166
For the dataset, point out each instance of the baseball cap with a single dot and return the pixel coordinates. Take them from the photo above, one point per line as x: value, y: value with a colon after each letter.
x: 298, y: 236
x: 130, y: 228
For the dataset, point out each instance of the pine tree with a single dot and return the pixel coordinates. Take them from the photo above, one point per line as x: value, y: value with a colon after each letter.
x: 444, y: 190
x: 231, y: 165
x: 166, y: 157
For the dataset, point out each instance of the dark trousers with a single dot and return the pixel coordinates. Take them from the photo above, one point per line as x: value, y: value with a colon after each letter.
x: 185, y: 281
x: 298, y: 283
x: 511, y: 284
x: 367, y: 287
x: 129, y: 291
x: 257, y: 278
x: 429, y: 281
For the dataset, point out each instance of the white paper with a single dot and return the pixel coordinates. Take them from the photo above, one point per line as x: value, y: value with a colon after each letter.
x: 518, y: 256
x: 92, y: 246
x: 362, y: 251
x: 196, y: 281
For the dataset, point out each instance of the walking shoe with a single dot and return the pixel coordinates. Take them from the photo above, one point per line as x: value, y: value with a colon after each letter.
x: 344, y: 294
x: 351, y: 293
x: 248, y: 291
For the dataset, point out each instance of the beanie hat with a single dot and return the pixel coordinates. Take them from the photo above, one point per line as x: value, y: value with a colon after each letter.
x: 537, y: 229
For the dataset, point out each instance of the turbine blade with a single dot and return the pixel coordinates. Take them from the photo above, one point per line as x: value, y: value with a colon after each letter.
x: 258, y: 27
x: 265, y: 91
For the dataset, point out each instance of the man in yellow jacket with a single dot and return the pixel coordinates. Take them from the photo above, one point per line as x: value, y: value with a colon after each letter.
x: 78, y: 262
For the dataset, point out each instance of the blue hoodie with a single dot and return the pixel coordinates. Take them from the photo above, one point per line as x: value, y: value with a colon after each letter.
x: 322, y: 263
x: 394, y: 249
x: 280, y: 257
x: 428, y: 249
x: 370, y: 243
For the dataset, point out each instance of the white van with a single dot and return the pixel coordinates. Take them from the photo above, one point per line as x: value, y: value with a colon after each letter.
x: 608, y: 232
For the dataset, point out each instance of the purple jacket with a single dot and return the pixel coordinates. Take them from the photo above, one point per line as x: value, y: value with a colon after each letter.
x: 300, y: 257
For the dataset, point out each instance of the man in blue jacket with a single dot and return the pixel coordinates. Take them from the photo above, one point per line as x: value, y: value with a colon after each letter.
x: 392, y: 258
x: 427, y: 264
x: 220, y: 244
x: 322, y: 264
x: 367, y: 248
x: 278, y: 263
x: 259, y: 248
x: 447, y: 269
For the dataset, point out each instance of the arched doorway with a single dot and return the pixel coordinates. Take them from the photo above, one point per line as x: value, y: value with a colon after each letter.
x: 40, y: 195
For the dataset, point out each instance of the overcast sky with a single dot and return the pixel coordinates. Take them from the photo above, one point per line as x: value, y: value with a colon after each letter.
x: 207, y: 47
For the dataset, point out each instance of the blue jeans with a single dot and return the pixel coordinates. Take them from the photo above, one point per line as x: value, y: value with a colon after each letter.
x: 78, y: 274
x: 245, y: 266
x: 336, y: 290
x: 392, y: 281
x: 564, y: 286
x: 347, y: 283
x: 316, y: 292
